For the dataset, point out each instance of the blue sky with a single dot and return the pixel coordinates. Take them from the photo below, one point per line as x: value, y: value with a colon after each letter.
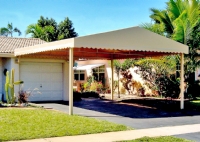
x: 88, y: 16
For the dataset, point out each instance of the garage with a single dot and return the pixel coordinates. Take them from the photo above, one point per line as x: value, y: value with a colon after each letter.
x: 43, y: 79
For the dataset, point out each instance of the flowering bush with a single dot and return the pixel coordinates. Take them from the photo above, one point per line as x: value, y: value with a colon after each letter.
x: 96, y: 86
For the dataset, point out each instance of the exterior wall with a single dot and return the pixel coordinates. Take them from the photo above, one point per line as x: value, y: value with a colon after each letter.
x: 1, y: 78
x: 9, y: 63
x: 66, y: 81
x: 6, y: 64
x: 197, y: 74
x: 107, y: 64
x: 88, y: 72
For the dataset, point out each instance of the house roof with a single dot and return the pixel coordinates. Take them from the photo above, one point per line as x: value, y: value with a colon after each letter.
x: 9, y: 44
x: 131, y: 42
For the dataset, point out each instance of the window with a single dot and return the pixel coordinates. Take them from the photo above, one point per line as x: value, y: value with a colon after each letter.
x: 79, y: 75
x: 99, y: 74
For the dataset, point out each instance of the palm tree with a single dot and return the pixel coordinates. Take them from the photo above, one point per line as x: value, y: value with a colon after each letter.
x: 9, y: 30
x: 40, y: 32
x: 3, y: 31
x: 156, y: 28
x: 179, y: 18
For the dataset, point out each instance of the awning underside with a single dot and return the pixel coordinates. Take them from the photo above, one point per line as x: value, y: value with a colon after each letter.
x: 92, y: 54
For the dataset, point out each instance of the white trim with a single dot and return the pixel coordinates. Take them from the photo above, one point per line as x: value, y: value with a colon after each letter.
x: 41, y: 60
x: 112, y: 80
x: 71, y: 80
x: 7, y: 55
x: 182, y: 82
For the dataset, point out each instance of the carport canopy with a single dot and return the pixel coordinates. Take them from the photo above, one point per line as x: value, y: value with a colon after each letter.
x: 134, y: 42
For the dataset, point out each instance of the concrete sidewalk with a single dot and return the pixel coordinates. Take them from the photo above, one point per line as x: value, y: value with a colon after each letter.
x: 124, y: 135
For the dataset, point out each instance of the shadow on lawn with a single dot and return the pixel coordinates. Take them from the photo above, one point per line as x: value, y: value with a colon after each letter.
x: 136, y: 108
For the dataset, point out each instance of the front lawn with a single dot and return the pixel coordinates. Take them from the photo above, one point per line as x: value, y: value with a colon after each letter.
x: 158, y: 139
x: 31, y: 123
x: 196, y: 103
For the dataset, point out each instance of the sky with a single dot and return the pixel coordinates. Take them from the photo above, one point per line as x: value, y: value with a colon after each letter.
x: 88, y: 16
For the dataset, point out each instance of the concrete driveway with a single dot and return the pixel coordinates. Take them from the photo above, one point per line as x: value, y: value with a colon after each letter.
x: 129, y: 115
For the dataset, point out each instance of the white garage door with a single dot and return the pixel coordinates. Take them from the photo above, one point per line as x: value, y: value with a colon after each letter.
x: 43, y: 79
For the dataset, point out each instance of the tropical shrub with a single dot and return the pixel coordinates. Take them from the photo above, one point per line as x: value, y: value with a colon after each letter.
x: 158, y: 75
x: 122, y: 90
x: 126, y: 80
x: 193, y: 90
x: 138, y: 87
x: 167, y: 86
x: 23, y: 97
x: 9, y: 86
x: 96, y: 86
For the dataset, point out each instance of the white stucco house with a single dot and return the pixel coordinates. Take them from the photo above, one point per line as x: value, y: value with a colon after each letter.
x: 42, y: 76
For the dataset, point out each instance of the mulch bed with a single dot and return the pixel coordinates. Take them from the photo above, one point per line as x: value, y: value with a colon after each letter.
x: 161, y: 104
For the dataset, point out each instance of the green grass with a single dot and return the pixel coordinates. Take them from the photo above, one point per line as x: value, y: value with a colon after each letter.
x: 159, y: 139
x: 196, y: 102
x: 31, y: 123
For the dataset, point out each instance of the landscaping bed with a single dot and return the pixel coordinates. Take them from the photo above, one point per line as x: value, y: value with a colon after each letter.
x: 164, y: 104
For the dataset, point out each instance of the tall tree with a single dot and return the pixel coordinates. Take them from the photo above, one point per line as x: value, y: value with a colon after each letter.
x: 43, y: 22
x: 66, y: 30
x: 9, y: 30
x: 40, y: 32
x: 178, y: 18
x: 48, y: 29
x: 3, y: 31
x: 193, y: 58
x: 156, y: 28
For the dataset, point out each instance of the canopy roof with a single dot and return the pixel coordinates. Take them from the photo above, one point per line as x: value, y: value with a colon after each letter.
x: 134, y: 42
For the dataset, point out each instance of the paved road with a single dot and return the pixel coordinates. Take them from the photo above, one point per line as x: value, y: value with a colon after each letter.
x: 133, y: 116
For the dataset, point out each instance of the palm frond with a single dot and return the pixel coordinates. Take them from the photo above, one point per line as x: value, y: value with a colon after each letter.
x: 17, y: 30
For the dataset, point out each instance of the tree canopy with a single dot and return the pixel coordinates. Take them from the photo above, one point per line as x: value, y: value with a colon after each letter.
x: 48, y: 29
x: 178, y: 22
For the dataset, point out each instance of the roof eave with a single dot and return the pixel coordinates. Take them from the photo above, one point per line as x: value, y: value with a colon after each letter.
x: 7, y: 55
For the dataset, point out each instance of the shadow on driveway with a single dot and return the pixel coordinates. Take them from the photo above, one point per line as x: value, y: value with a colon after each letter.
x: 126, y: 109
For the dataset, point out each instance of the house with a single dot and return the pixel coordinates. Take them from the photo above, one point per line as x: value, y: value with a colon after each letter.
x: 101, y: 71
x: 41, y: 76
x: 49, y: 66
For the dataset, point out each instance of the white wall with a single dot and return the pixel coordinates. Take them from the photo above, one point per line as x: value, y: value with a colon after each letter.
x: 107, y: 64
x: 6, y: 64
x: 197, y: 73
x: 1, y: 78
x: 65, y: 81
